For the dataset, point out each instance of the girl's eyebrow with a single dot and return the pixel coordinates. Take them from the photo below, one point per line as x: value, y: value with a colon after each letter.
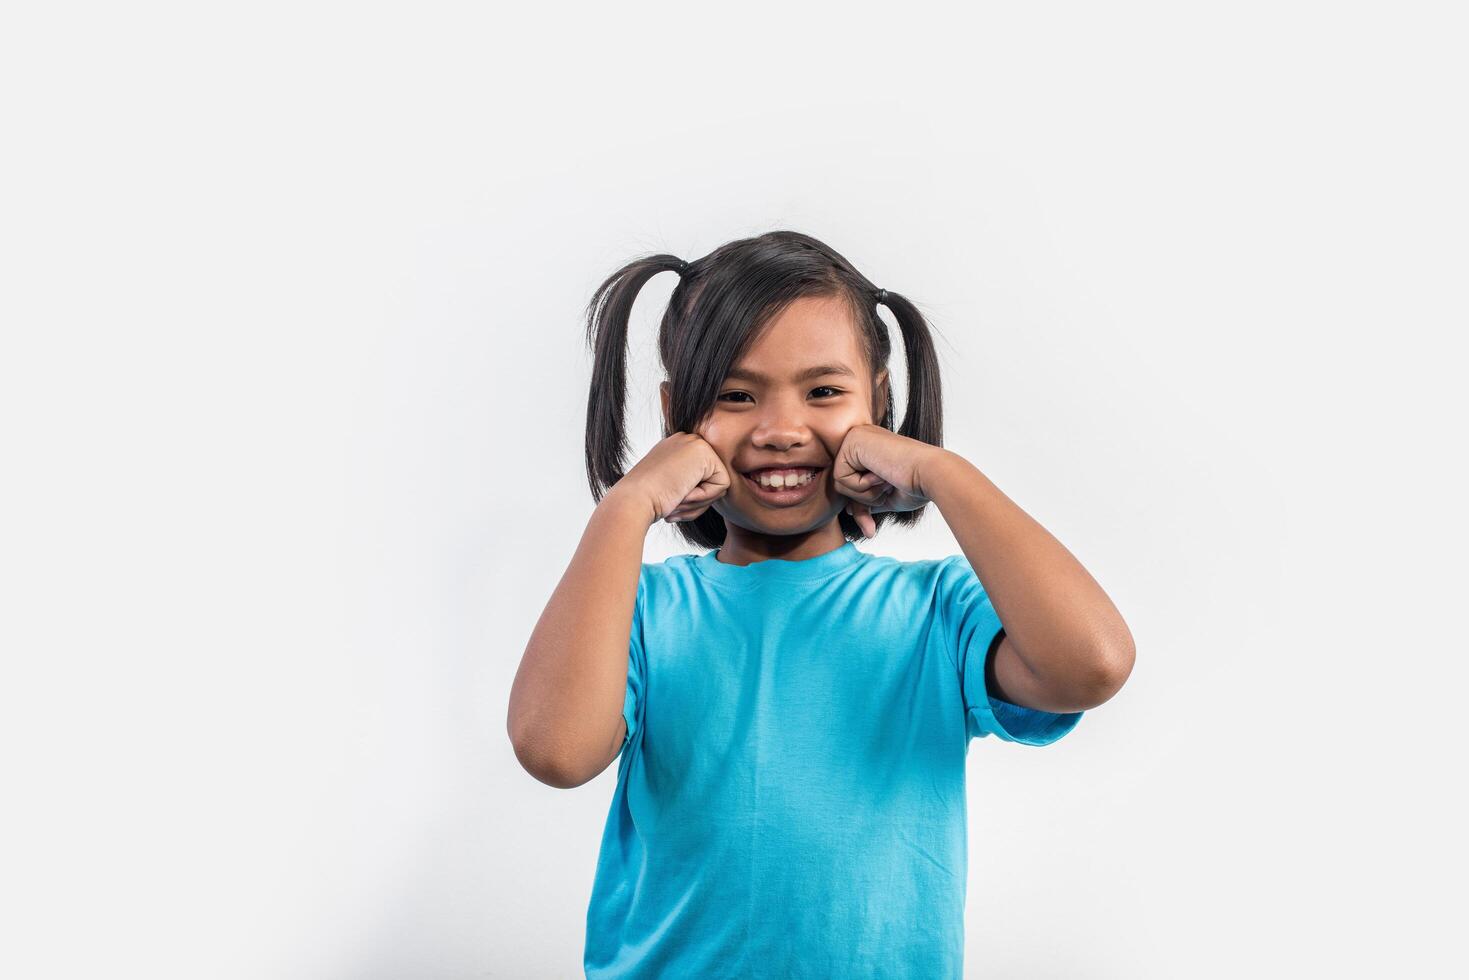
x: 818, y: 371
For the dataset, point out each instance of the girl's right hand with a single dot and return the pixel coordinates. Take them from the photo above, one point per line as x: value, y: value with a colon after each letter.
x: 680, y: 477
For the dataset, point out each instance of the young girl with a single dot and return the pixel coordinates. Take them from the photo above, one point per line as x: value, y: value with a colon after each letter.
x: 792, y: 713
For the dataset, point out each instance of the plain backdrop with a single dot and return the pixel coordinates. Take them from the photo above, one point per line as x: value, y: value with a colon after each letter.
x: 292, y: 390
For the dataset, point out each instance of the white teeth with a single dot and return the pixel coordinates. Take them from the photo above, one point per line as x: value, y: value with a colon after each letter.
x: 781, y: 480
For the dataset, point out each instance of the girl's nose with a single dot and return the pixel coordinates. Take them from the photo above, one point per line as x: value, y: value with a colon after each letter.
x: 781, y: 433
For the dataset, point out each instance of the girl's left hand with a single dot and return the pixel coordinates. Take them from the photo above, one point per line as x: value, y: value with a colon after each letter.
x: 879, y: 470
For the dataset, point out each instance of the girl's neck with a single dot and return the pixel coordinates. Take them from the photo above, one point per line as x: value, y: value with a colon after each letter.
x: 742, y: 547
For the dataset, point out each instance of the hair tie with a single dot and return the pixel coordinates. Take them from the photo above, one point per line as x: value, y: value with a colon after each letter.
x: 882, y: 295
x: 683, y: 267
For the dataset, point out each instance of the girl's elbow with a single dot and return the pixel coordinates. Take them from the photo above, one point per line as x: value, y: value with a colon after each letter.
x: 552, y: 770
x: 1111, y: 667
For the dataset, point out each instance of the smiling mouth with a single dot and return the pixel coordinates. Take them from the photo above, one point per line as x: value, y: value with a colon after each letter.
x: 797, y: 484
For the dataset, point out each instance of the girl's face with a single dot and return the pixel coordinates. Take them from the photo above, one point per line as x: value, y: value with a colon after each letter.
x: 789, y: 403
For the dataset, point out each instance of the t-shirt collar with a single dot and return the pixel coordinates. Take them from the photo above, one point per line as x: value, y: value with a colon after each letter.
x: 779, y: 569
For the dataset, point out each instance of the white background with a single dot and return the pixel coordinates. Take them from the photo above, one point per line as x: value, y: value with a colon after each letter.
x: 292, y: 391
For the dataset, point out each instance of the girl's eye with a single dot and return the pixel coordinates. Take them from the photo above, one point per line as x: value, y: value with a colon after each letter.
x: 834, y: 392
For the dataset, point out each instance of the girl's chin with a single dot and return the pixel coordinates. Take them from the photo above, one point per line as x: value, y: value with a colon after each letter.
x: 790, y: 520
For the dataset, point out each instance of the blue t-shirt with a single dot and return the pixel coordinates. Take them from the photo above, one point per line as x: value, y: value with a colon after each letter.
x: 790, y: 796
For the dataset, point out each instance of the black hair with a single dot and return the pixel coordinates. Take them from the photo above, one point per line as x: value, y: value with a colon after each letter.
x: 719, y: 306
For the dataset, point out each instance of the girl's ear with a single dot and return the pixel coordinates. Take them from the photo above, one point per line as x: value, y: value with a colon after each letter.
x: 880, y: 396
x: 665, y: 395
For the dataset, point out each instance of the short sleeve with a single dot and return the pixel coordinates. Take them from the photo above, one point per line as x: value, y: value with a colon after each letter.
x: 971, y: 626
x: 632, y: 701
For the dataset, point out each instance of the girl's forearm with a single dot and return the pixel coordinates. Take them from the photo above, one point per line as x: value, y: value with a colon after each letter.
x: 1056, y: 616
x: 565, y: 715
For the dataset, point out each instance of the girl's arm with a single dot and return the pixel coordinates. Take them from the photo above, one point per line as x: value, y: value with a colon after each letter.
x: 1065, y: 646
x: 565, y: 719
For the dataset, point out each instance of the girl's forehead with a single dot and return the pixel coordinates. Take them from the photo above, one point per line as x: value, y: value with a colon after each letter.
x: 807, y: 329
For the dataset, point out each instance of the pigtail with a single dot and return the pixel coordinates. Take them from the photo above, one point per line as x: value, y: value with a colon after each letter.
x: 924, y: 417
x: 607, y: 318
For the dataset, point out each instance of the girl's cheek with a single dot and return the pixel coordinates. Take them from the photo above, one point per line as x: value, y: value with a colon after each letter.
x: 711, y: 433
